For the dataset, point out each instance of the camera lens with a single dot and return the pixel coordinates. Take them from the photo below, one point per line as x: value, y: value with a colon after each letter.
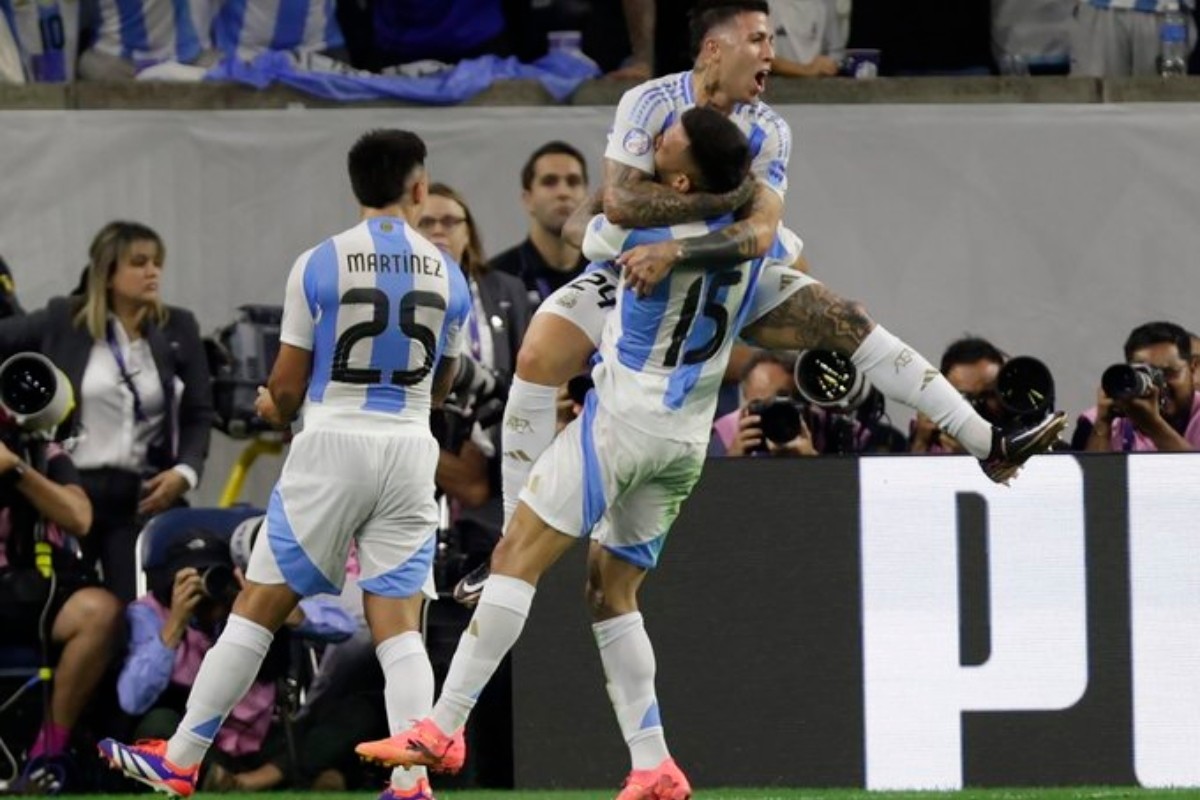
x: 1025, y: 386
x: 1122, y: 381
x: 780, y: 420
x: 219, y: 582
x: 829, y: 379
x: 28, y: 385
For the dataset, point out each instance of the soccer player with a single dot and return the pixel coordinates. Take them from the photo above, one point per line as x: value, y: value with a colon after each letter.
x: 619, y: 473
x: 733, y: 40
x: 371, y: 332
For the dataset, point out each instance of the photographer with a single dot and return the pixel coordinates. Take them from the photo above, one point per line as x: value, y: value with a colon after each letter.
x: 176, y: 623
x: 766, y: 383
x: 41, y: 503
x: 142, y: 385
x: 1148, y: 403
x: 972, y: 366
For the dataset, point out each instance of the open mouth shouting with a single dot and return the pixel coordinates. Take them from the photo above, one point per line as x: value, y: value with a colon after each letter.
x: 760, y: 80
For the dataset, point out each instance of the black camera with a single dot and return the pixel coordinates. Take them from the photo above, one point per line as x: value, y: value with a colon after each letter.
x: 219, y: 582
x: 1127, y: 381
x: 476, y: 397
x: 780, y: 419
x: 240, y: 357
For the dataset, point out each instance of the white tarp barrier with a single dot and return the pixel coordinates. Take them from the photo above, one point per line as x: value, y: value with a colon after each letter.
x: 1052, y: 230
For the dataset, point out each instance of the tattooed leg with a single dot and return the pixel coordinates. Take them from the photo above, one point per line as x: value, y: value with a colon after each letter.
x: 817, y: 317
x: 813, y: 317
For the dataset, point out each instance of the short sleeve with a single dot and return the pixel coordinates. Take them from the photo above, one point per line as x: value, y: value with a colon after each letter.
x: 771, y: 151
x: 458, y: 308
x: 603, y: 240
x: 641, y: 116
x: 299, y: 306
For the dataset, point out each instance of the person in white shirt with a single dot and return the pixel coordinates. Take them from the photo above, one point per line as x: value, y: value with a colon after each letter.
x: 142, y: 384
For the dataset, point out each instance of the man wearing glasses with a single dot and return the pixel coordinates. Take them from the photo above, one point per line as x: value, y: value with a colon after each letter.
x: 1165, y: 417
x: 972, y: 366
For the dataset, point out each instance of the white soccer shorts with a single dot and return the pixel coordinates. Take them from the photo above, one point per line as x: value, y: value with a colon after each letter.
x: 622, y: 487
x: 375, y: 489
x: 585, y: 301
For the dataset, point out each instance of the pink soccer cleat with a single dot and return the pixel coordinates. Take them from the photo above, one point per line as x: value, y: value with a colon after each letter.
x: 664, y: 782
x: 422, y: 745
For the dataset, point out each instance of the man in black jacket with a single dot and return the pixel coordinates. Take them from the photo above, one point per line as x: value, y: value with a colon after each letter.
x: 553, y: 184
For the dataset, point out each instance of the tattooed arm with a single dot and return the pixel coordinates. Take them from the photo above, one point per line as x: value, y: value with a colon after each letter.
x: 812, y: 317
x: 633, y: 200
x: 747, y: 238
x: 646, y: 265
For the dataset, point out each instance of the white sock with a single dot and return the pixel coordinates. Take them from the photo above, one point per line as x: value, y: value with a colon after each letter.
x: 629, y: 666
x: 407, y: 692
x: 226, y: 674
x: 491, y: 633
x: 903, y: 374
x: 530, y: 422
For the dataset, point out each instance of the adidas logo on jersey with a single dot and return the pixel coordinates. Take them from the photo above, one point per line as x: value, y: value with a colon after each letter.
x: 518, y: 455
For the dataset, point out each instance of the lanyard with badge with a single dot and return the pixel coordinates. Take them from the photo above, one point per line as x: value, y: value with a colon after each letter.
x: 139, y: 413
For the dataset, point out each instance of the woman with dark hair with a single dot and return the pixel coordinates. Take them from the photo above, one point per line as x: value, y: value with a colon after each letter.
x: 144, y: 411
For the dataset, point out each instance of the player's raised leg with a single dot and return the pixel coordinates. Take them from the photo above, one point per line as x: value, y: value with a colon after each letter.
x: 815, y: 316
x: 553, y: 351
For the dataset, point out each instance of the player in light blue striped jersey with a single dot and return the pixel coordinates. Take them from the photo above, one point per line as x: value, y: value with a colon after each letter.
x: 619, y: 473
x: 372, y: 329
x: 246, y: 28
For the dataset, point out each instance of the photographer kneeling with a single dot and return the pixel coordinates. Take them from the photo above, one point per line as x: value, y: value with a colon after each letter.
x: 176, y: 623
x: 1148, y: 403
x: 42, y: 503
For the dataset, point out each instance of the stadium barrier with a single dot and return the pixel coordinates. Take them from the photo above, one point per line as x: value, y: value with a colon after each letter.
x: 899, y: 622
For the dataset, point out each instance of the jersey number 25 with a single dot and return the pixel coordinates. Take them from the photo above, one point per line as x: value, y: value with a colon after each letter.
x: 341, y: 370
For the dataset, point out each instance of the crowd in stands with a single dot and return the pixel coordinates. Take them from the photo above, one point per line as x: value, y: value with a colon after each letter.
x: 64, y: 40
x: 126, y: 645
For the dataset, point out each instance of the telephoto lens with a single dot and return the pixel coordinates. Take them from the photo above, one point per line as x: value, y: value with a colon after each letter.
x: 1125, y: 381
x: 829, y: 379
x: 1026, y: 387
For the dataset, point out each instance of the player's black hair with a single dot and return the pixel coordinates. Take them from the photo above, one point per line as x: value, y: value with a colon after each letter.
x: 381, y: 163
x: 970, y: 349
x: 555, y: 148
x: 708, y: 14
x: 718, y: 149
x: 1143, y: 336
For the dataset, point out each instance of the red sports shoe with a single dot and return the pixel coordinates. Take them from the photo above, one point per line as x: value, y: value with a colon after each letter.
x: 147, y: 762
x: 664, y: 782
x: 422, y: 745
